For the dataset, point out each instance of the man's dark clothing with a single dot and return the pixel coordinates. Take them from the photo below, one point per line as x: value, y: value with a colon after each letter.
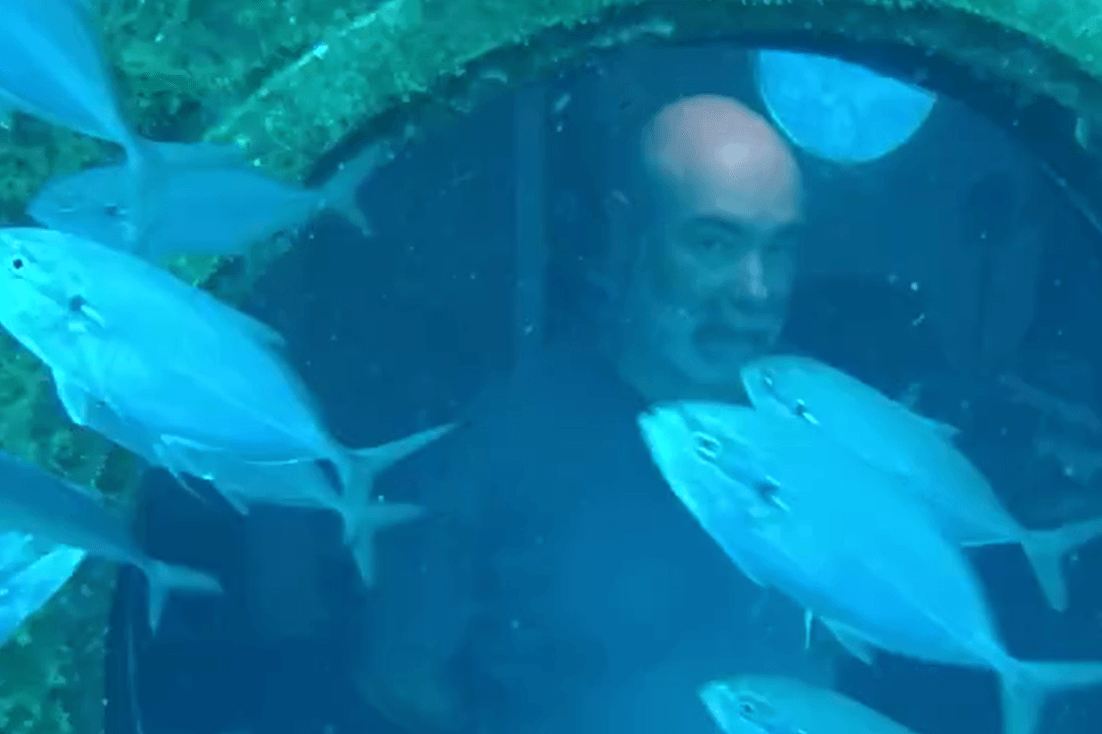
x: 558, y: 579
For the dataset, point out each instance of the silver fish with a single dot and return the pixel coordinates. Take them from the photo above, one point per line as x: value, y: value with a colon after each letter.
x: 167, y: 370
x: 98, y: 203
x: 51, y: 509
x: 220, y: 205
x: 885, y: 433
x: 845, y: 542
x: 768, y: 704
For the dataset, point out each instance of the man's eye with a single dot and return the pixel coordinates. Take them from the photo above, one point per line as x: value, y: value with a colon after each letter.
x: 713, y: 244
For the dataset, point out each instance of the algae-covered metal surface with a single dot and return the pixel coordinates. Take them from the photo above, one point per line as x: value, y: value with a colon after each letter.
x: 298, y: 82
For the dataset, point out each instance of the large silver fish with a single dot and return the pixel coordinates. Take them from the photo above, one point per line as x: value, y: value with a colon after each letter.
x: 885, y: 433
x: 838, y: 536
x: 218, y: 206
x: 768, y: 704
x: 171, y: 373
x: 53, y: 510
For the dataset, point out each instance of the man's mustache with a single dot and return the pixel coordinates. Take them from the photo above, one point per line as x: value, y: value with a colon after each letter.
x: 743, y: 314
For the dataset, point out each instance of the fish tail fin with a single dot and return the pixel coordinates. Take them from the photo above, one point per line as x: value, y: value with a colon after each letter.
x: 1027, y: 685
x: 364, y: 521
x: 339, y: 192
x: 1046, y: 550
x: 362, y: 515
x: 359, y: 467
x: 146, y: 169
x: 165, y: 578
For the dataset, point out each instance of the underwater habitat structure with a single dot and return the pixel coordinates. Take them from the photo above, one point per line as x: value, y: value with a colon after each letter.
x: 304, y: 85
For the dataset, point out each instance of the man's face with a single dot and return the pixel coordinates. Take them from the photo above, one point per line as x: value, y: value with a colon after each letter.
x: 715, y: 277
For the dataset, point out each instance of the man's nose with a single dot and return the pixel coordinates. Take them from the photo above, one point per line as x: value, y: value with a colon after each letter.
x: 750, y: 278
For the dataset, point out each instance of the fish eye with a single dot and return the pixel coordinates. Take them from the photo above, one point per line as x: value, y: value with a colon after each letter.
x: 17, y: 263
x: 769, y: 491
x: 748, y: 708
x: 112, y: 210
x: 707, y: 448
x: 801, y: 410
x: 77, y: 303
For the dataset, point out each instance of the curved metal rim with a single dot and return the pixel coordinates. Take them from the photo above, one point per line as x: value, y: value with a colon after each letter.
x: 384, y: 77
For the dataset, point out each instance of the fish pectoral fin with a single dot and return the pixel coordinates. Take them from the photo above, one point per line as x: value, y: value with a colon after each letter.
x: 74, y: 399
x: 182, y: 459
x: 945, y: 430
x: 809, y: 621
x: 851, y: 641
x: 750, y: 573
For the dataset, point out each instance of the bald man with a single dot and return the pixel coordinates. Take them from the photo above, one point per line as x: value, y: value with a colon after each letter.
x: 710, y: 263
x: 558, y: 586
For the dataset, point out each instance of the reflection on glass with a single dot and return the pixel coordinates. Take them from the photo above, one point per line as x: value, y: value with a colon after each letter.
x: 836, y: 110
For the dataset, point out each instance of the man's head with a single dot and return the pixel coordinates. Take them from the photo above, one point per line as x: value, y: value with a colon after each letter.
x: 713, y: 259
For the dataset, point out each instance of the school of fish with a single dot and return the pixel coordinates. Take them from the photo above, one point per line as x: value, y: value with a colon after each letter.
x: 859, y: 511
x: 822, y: 488
x: 148, y: 361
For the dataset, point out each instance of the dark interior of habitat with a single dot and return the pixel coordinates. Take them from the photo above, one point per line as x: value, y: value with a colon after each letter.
x: 398, y: 332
